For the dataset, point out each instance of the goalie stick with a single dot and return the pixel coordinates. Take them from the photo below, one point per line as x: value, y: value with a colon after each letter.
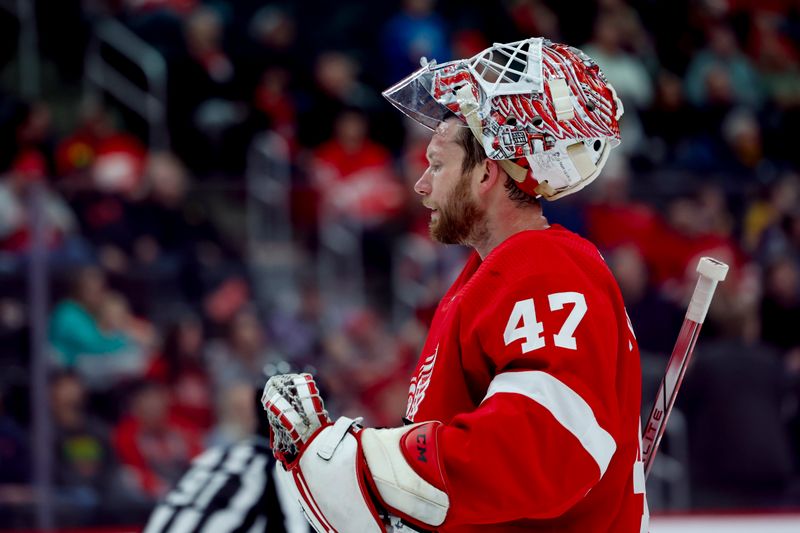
x: 711, y: 272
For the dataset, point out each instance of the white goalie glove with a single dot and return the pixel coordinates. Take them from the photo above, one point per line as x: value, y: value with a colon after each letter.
x: 350, y: 479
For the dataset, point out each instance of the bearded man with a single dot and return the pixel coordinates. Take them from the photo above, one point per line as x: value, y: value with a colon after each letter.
x: 524, y: 411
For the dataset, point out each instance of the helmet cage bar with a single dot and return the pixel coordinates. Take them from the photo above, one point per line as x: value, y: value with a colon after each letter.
x: 509, y: 68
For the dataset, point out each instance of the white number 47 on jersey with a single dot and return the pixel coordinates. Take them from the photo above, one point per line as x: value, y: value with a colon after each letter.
x: 522, y: 323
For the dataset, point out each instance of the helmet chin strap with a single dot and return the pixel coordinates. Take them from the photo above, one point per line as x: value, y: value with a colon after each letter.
x: 578, y: 153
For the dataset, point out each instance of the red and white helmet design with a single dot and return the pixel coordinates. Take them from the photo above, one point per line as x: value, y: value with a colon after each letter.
x: 544, y: 110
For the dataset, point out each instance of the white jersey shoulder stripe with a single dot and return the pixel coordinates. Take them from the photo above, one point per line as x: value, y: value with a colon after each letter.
x: 566, y: 406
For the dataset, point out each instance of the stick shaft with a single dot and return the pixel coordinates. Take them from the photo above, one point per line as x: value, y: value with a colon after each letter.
x: 653, y: 431
x: 711, y: 272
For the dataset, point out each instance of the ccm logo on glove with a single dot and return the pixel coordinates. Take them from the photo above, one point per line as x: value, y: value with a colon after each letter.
x: 421, y: 447
x: 420, y: 451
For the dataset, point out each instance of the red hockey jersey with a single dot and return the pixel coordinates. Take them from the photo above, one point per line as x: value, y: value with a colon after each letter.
x: 532, y: 365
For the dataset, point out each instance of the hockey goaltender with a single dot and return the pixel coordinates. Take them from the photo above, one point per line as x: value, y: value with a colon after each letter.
x: 523, y: 414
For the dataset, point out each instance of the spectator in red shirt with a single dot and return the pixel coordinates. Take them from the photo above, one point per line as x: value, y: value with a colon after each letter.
x: 272, y: 97
x: 181, y: 368
x: 358, y: 187
x: 155, y: 446
x: 103, y: 168
x: 614, y: 218
x: 15, y: 206
x: 675, y: 244
x: 98, y: 156
x: 354, y: 174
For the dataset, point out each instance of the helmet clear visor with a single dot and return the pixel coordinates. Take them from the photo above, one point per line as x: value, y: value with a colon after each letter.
x: 412, y: 95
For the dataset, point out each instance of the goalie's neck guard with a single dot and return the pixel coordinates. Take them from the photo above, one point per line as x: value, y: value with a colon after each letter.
x: 544, y: 110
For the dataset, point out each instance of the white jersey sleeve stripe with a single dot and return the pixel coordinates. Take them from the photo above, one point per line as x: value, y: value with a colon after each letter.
x: 566, y: 406
x: 159, y: 519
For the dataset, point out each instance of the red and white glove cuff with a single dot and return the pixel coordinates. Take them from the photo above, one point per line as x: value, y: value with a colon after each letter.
x: 406, y: 472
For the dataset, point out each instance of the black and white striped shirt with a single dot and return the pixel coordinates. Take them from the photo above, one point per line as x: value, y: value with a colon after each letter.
x: 230, y: 489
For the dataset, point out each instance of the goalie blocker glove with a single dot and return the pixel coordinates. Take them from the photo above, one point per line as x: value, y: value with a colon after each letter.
x: 343, y: 474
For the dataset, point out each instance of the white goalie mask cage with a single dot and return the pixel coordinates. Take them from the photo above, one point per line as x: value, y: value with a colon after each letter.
x: 543, y: 110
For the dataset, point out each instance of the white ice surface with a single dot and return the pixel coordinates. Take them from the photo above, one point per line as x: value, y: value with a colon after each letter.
x: 726, y: 524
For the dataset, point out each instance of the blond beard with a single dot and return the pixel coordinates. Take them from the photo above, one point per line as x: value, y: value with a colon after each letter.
x: 461, y: 220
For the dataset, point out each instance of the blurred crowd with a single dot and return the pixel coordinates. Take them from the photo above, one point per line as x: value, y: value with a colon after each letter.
x: 158, y: 335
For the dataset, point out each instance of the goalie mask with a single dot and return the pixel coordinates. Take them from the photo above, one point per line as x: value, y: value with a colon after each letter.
x: 543, y: 110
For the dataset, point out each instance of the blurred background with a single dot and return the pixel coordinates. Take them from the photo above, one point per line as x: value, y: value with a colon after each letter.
x: 192, y: 191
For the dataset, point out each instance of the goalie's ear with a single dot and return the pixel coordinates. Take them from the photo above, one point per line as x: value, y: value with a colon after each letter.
x: 488, y: 180
x: 490, y: 173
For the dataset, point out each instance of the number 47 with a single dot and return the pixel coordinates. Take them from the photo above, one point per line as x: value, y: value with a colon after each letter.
x: 522, y: 323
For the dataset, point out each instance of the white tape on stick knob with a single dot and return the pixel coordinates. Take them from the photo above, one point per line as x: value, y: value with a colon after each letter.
x: 711, y: 272
x: 713, y: 269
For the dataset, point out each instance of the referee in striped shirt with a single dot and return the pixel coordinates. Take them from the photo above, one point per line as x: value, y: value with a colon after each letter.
x: 231, y: 489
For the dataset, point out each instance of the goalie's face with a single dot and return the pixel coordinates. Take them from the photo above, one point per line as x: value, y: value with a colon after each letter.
x: 456, y: 215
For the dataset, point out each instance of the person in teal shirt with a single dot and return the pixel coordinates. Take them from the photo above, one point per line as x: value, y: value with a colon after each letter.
x: 74, y: 328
